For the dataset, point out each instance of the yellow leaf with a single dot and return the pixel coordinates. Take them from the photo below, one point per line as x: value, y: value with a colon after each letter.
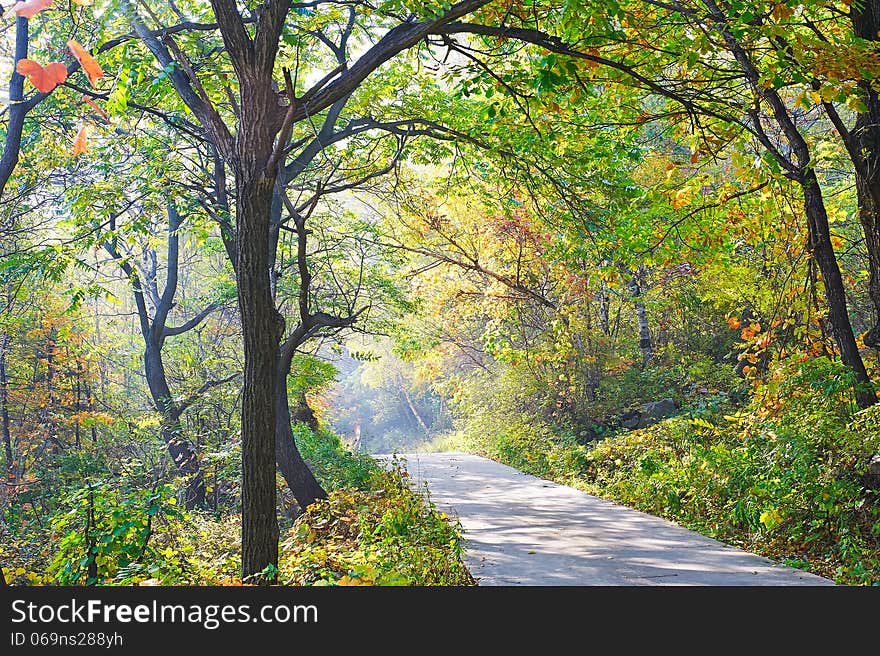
x: 827, y: 93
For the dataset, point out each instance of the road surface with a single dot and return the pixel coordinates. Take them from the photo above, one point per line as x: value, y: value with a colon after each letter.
x: 523, y: 530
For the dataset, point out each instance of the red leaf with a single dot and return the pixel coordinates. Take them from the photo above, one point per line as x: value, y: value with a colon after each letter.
x: 30, y: 8
x: 44, y: 79
x: 91, y: 68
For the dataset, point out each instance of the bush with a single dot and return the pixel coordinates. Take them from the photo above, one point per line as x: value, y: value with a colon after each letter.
x: 389, y: 535
x: 786, y: 478
x: 332, y: 464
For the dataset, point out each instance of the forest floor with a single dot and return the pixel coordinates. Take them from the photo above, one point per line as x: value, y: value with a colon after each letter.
x: 523, y: 530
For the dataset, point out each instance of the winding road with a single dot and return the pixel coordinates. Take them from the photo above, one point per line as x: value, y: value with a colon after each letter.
x: 523, y: 530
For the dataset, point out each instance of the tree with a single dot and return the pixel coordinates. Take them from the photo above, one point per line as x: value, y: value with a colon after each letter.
x: 255, y: 151
x: 154, y: 330
x: 704, y: 48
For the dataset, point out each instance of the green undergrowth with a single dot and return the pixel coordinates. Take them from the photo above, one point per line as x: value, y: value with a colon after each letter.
x: 372, y: 530
x: 388, y: 534
x: 786, y: 475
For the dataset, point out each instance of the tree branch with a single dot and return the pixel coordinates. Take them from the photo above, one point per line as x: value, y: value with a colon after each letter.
x: 192, y: 323
x: 208, y: 384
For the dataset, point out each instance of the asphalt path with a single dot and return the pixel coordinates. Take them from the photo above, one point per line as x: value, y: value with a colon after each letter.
x: 523, y: 530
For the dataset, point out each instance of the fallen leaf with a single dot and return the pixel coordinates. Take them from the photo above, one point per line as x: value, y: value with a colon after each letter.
x: 43, y: 78
x: 91, y: 67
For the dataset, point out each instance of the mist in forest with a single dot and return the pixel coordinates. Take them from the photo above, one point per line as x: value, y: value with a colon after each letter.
x: 378, y: 406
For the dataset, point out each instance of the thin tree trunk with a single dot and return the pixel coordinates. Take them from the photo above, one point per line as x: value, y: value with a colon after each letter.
x: 91, y: 560
x: 835, y: 293
x: 604, y: 324
x: 814, y: 207
x: 412, y: 407
x: 77, y: 407
x: 17, y: 111
x: 4, y: 412
x: 183, y: 454
x: 296, y: 473
x: 300, y: 479
x: 646, y: 343
x: 48, y: 418
x: 153, y: 332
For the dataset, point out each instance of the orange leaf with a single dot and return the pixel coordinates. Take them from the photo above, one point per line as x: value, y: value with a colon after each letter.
x: 44, y: 79
x: 733, y: 323
x: 91, y: 103
x: 89, y: 65
x: 79, y: 144
x: 30, y: 8
x: 750, y: 331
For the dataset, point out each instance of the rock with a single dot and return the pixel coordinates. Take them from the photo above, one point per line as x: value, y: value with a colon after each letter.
x: 656, y: 410
x: 631, y: 419
x: 649, y: 414
x: 872, y: 479
x: 586, y: 436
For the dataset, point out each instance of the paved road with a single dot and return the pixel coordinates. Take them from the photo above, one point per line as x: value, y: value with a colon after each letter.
x: 522, y: 530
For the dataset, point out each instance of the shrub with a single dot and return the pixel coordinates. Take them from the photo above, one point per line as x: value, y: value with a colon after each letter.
x: 389, y: 535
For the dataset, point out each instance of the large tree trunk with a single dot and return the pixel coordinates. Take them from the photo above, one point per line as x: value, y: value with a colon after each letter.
x: 823, y: 253
x: 865, y: 19
x: 182, y: 452
x: 262, y: 328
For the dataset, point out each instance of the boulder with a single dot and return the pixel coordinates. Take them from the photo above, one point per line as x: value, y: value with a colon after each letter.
x: 873, y: 477
x: 656, y: 410
x: 648, y: 414
x: 631, y: 419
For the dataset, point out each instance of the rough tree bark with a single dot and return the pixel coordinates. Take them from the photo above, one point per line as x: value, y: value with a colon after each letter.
x: 262, y: 328
x: 835, y: 293
x: 864, y: 150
